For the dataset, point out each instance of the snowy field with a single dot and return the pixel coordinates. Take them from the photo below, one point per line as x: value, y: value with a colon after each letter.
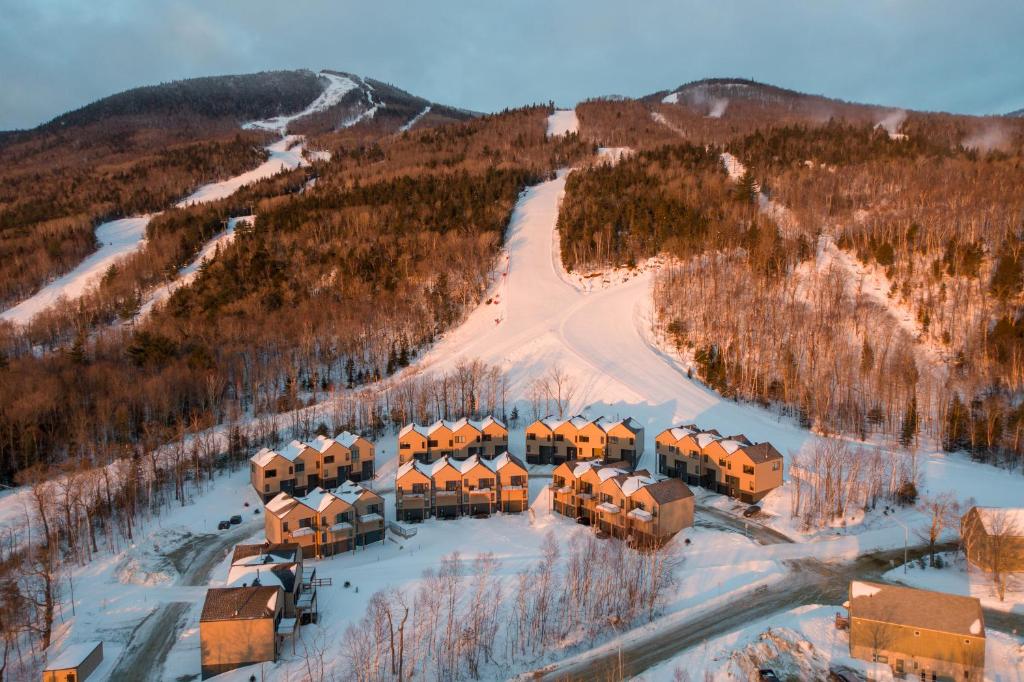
x: 563, y: 122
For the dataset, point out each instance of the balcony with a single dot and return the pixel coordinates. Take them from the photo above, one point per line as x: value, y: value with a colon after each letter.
x: 342, y: 529
x: 608, y: 508
x: 640, y: 515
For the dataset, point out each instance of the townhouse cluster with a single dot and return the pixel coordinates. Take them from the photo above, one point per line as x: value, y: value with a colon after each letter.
x: 460, y: 439
x: 730, y: 465
x: 300, y: 467
x: 621, y: 502
x: 449, y: 488
x: 553, y: 440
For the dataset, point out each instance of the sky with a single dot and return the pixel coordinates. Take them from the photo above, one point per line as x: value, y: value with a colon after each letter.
x: 485, y: 55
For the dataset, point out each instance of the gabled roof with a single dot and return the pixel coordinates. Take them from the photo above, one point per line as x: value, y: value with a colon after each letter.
x: 264, y: 457
x: 680, y: 432
x: 762, y: 452
x: 1002, y: 520
x: 72, y: 656
x: 455, y: 425
x: 293, y: 450
x: 916, y: 608
x: 669, y: 490
x: 503, y: 460
x: 705, y: 438
x: 240, y: 603
x: 317, y: 499
x: 629, y: 423
x: 730, y: 446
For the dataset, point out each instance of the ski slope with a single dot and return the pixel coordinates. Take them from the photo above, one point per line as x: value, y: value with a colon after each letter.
x: 117, y: 238
x: 602, y: 338
x: 337, y: 88
x: 284, y: 155
x: 563, y: 122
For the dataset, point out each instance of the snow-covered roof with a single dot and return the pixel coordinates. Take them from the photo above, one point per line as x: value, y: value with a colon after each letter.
x: 488, y: 421
x: 72, y: 656
x: 280, y: 502
x: 317, y: 499
x: 604, y: 473
x: 501, y: 461
x: 349, y: 492
x: 705, y: 439
x: 1000, y: 520
x: 263, y: 457
x: 680, y: 432
x: 635, y: 483
x: 582, y: 468
x: 282, y: 575
x: 347, y: 438
x: 579, y: 421
x: 455, y: 425
x: 293, y: 450
x: 609, y: 424
x: 910, y: 607
x: 730, y: 446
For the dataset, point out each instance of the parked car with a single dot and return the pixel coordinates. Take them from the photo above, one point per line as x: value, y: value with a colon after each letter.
x: 752, y: 510
x: 236, y: 519
x: 223, y: 525
x: 767, y: 675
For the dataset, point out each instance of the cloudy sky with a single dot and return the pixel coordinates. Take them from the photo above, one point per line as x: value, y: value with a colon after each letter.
x: 947, y: 55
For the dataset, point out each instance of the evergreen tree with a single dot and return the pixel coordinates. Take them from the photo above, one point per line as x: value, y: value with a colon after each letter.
x: 955, y: 434
x: 909, y: 429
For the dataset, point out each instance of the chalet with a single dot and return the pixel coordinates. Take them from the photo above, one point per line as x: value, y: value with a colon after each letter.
x: 240, y: 626
x: 553, y: 441
x: 299, y: 467
x: 730, y: 465
x: 458, y: 439
x: 993, y: 538
x: 624, y: 504
x: 918, y: 633
x: 326, y: 522
x: 449, y: 488
x: 75, y: 663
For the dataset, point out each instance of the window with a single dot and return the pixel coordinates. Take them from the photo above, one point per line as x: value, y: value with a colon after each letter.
x: 613, y: 439
x: 706, y: 459
x: 693, y: 454
x: 558, y: 481
x: 431, y: 443
x: 586, y: 488
x: 419, y: 488
x: 451, y: 486
x: 487, y: 437
x: 355, y: 454
x: 559, y: 437
x: 748, y: 470
x: 291, y: 470
x: 487, y: 483
x: 266, y: 488
x: 323, y: 520
x: 583, y: 439
x: 728, y: 465
x: 329, y: 459
x: 517, y: 481
x: 404, y: 446
x: 343, y: 517
x: 605, y: 497
x: 305, y: 523
x: 460, y: 439
x: 721, y: 461
x: 917, y: 633
x: 270, y: 473
x: 775, y: 466
x: 252, y: 467
x: 300, y: 467
x: 602, y: 440
x: 284, y: 527
x: 373, y: 509
x: 632, y: 441
x: 638, y: 505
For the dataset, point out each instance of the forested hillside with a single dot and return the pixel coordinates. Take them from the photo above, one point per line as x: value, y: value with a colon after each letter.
x: 333, y: 286
x: 790, y: 282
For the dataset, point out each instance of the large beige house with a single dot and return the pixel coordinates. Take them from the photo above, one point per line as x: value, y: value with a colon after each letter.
x: 326, y: 522
x: 552, y: 441
x: 993, y: 538
x: 622, y: 503
x: 449, y: 488
x: 299, y: 467
x: 458, y: 439
x: 241, y: 626
x: 730, y: 465
x: 920, y: 634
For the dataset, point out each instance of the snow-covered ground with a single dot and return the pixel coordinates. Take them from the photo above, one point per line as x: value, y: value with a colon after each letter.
x: 804, y: 644
x: 414, y: 120
x: 117, y: 238
x: 563, y: 122
x: 955, y: 578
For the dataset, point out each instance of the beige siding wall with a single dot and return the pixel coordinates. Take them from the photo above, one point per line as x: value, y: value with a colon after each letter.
x: 228, y: 644
x: 920, y: 650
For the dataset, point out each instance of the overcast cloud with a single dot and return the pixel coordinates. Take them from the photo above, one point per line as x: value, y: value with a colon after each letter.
x: 948, y: 55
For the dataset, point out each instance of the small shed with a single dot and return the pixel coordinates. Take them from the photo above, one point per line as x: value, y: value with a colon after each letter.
x: 75, y: 663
